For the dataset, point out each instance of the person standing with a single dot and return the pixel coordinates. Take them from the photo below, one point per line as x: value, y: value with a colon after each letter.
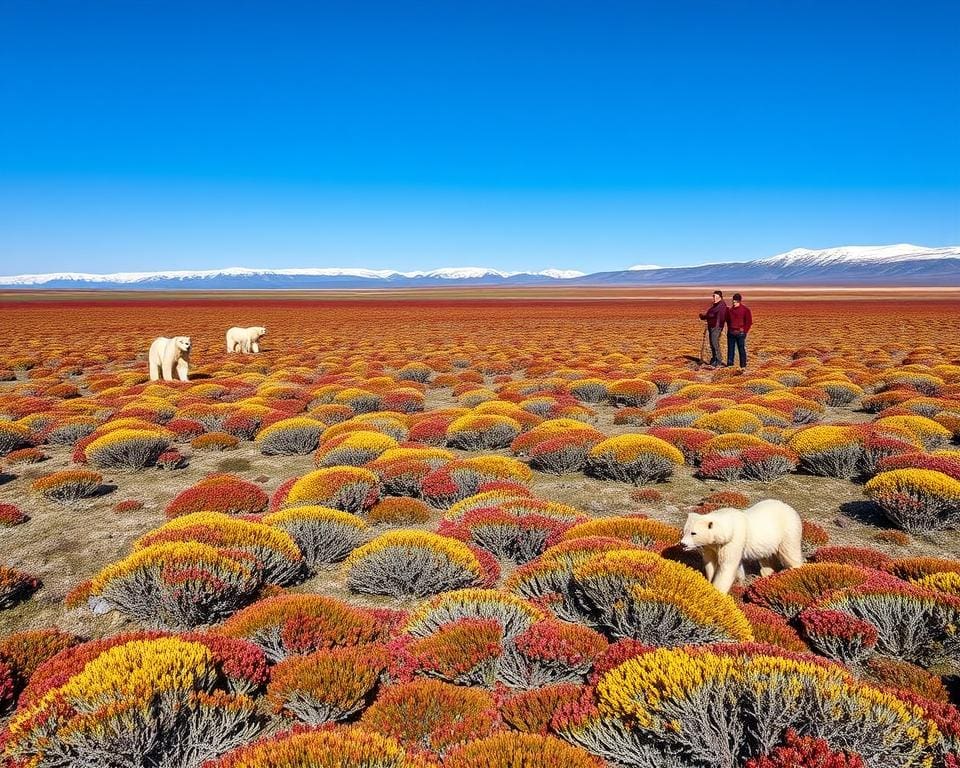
x: 739, y: 322
x: 715, y: 316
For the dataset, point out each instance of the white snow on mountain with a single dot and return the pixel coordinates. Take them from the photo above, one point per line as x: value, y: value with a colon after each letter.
x: 859, y: 254
x: 448, y: 273
x: 833, y: 262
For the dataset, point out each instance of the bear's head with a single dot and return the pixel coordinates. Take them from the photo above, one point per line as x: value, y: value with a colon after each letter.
x: 183, y: 343
x: 701, y: 531
x: 261, y: 331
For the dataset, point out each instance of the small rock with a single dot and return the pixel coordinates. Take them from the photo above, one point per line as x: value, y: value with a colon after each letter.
x: 841, y: 522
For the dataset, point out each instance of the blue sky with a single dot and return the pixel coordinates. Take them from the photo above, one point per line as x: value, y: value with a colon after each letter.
x: 520, y: 135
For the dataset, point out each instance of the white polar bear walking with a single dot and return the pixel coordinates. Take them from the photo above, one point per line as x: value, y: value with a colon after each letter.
x: 165, y: 354
x: 245, y: 339
x: 769, y: 531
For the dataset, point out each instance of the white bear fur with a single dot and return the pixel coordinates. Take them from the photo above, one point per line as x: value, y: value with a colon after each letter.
x: 167, y: 354
x: 245, y: 340
x: 768, y: 532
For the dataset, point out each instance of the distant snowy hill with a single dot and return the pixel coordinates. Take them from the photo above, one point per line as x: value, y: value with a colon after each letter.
x: 848, y: 265
x: 251, y: 279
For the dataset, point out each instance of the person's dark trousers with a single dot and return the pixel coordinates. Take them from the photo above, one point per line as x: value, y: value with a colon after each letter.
x: 715, y: 358
x: 737, y: 341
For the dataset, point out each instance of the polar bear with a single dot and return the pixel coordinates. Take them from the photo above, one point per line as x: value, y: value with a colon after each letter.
x: 246, y: 339
x: 165, y: 354
x: 769, y: 531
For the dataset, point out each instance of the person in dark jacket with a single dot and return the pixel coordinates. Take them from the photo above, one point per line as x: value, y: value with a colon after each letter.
x: 715, y: 316
x: 739, y: 322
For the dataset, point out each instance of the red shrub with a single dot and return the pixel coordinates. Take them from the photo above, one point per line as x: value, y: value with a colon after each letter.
x: 279, y: 497
x: 806, y: 752
x: 646, y: 496
x: 771, y: 628
x: 171, y: 459
x: 532, y: 711
x: 814, y: 535
x: 863, y: 557
x: 128, y: 505
x: 432, y: 715
x: 915, y: 460
x: 185, y: 429
x: 10, y: 515
x: 220, y: 493
x: 25, y: 651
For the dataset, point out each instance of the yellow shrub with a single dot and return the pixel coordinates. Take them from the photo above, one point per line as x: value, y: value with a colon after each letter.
x: 729, y: 420
x: 628, y: 448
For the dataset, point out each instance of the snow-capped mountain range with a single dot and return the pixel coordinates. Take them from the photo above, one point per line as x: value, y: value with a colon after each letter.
x: 847, y: 265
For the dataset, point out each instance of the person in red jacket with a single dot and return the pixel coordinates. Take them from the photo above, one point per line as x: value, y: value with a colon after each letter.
x: 739, y: 321
x: 715, y: 316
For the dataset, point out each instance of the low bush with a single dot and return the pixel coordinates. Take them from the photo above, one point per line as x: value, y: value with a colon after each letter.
x: 917, y: 500
x: 398, y: 510
x: 634, y: 458
x: 837, y: 635
x: 178, y: 585
x: 11, y: 515
x: 478, y: 431
x: 323, y: 535
x: 12, y: 437
x: 147, y: 702
x: 25, y: 456
x: 69, y: 485
x: 273, y: 550
x: 413, y: 564
x: 550, y: 652
x: 288, y: 437
x: 432, y: 715
x: 639, y: 595
x: 644, y: 532
x: 632, y: 392
x: 904, y: 676
x: 532, y: 711
x: 912, y: 624
x: 215, y: 441
x: 509, y: 750
x: 130, y: 449
x: 565, y: 453
x: 789, y: 592
x: 225, y: 493
x: 832, y: 451
x: 772, y: 629
x: 864, y: 557
x: 23, y: 652
x: 287, y: 625
x: 15, y: 586
x: 354, y: 448
x: 340, y: 748
x: 806, y: 752
x: 350, y: 489
x: 328, y: 685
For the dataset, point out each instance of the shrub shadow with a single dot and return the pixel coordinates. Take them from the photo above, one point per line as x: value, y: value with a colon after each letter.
x: 865, y: 512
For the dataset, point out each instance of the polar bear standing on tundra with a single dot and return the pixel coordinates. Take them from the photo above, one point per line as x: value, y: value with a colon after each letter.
x: 769, y: 531
x: 246, y: 339
x: 165, y: 354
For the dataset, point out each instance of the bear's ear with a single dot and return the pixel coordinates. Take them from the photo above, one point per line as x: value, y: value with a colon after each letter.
x: 710, y: 525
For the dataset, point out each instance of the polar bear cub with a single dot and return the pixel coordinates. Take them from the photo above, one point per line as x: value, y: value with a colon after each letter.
x: 769, y: 531
x: 165, y: 354
x: 245, y: 339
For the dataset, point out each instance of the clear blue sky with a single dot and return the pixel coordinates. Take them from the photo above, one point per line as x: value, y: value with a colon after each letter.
x: 515, y: 135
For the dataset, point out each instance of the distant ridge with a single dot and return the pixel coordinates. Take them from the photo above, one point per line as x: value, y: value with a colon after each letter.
x: 901, y: 264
